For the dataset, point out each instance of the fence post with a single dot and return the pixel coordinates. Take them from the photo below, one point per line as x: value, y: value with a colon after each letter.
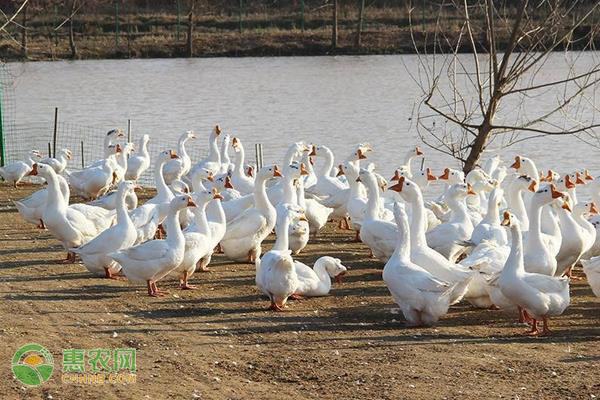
x: 128, y: 131
x: 117, y: 24
x: 55, y: 131
x: 240, y: 15
x: 49, y: 150
x: 2, y: 150
x: 82, y: 160
x: 178, y: 18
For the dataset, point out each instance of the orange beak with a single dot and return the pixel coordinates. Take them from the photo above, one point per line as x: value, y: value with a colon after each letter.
x: 314, y: 151
x: 542, y: 177
x: 114, y: 177
x: 173, y: 154
x: 118, y: 148
x: 506, y: 220
x: 418, y: 151
x: 234, y: 142
x: 217, y: 196
x: 358, y: 179
x: 593, y: 209
x: 228, y: 184
x: 303, y: 170
x: 587, y: 176
x: 549, y: 176
x: 361, y: 156
x: 398, y: 186
x: 555, y: 193
x: 340, y: 171
x: 276, y: 171
x: 338, y: 277
x: 568, y: 183
x: 445, y: 175
x: 430, y: 176
x: 566, y: 207
x: 250, y: 171
x: 533, y: 187
x: 517, y: 163
x: 191, y: 203
x: 396, y: 176
x: 311, y: 160
x: 470, y: 189
x: 217, y: 130
x: 34, y: 170
x: 210, y: 177
x: 578, y: 179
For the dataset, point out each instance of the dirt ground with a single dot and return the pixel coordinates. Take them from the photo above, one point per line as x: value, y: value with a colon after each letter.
x: 219, y: 342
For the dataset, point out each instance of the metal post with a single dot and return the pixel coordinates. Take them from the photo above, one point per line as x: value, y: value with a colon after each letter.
x: 256, y: 156
x: 178, y: 18
x: 260, y: 151
x: 55, y: 131
x: 49, y: 150
x: 82, y: 159
x: 128, y: 131
x: 117, y: 23
x: 2, y: 149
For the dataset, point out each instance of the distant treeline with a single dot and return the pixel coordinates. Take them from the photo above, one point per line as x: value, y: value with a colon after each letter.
x: 46, y: 29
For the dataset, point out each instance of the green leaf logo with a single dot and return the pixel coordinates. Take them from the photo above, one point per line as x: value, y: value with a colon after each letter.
x: 32, y: 364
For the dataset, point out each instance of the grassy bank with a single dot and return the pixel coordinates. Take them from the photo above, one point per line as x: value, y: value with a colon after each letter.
x: 101, y: 30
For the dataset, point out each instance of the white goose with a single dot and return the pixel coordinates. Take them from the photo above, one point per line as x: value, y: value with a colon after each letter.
x: 379, y: 235
x: 422, y: 298
x: 275, y: 272
x: 212, y: 162
x: 197, y: 239
x: 109, y: 201
x: 489, y: 228
x: 94, y: 253
x: 152, y: 260
x: 542, y: 296
x: 111, y: 135
x: 423, y: 255
x: 17, y: 170
x: 526, y: 166
x: 405, y: 169
x: 573, y: 239
x: 32, y: 207
x: 316, y: 281
x: 241, y: 181
x: 514, y: 198
x: 591, y: 268
x: 226, y: 164
x: 137, y: 164
x: 245, y: 234
x: 68, y: 225
x: 60, y: 162
x: 94, y: 181
x: 316, y: 213
x: 179, y: 167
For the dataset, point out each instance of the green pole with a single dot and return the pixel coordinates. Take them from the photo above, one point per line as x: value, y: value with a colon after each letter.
x: 55, y: 132
x: 2, y: 150
x: 116, y: 24
x: 178, y: 18
x: 302, y: 15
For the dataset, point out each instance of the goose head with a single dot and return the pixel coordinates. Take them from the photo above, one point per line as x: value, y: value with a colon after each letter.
x: 566, y: 183
x: 360, y: 152
x: 41, y: 169
x: 523, y: 183
x: 66, y: 153
x: 187, y: 135
x: 349, y: 170
x: 452, y: 176
x: 480, y: 181
x: 413, y: 153
x: 460, y: 191
x: 216, y: 131
x: 268, y: 172
x: 179, y: 187
x: 236, y: 144
x: 408, y: 189
x: 115, y: 133
x: 588, y: 208
x: 365, y: 176
x: 182, y: 201
x: 508, y: 219
x: 334, y: 267
x: 546, y: 194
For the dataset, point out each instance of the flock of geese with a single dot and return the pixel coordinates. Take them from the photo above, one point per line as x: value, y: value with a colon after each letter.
x: 501, y: 237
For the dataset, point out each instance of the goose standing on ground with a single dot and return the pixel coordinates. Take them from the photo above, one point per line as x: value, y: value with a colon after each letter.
x: 316, y: 213
x: 242, y: 182
x: 422, y: 298
x: 120, y: 167
x: 573, y: 239
x: 151, y: 261
x: 226, y: 165
x: 174, y: 169
x: 94, y: 254
x: 542, y: 296
x: 245, y: 234
x: 164, y: 195
x: 489, y: 228
x: 32, y: 207
x: 95, y: 180
x: 14, y: 172
x: 68, y: 225
x: 60, y: 162
x: 197, y: 239
x: 137, y: 164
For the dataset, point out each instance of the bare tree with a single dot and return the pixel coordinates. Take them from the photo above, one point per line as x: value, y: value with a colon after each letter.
x: 190, y: 30
x: 501, y: 91
x: 359, y: 24
x: 334, y: 27
x: 72, y: 45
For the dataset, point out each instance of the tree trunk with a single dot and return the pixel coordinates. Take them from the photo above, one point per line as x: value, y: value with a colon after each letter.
x: 334, y: 28
x: 190, y: 31
x: 71, y: 35
x: 478, y: 145
x: 359, y: 26
x: 24, y: 32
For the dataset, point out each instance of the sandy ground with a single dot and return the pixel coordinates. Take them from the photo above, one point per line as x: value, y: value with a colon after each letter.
x: 219, y: 342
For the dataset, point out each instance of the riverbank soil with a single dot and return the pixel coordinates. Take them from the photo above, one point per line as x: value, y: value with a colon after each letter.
x: 220, y: 342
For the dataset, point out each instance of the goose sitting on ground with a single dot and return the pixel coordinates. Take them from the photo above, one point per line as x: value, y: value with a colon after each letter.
x: 137, y: 164
x: 14, y: 172
x: 316, y: 281
x: 152, y: 260
x: 542, y: 296
x: 60, y: 162
x: 94, y: 253
x: 422, y: 298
